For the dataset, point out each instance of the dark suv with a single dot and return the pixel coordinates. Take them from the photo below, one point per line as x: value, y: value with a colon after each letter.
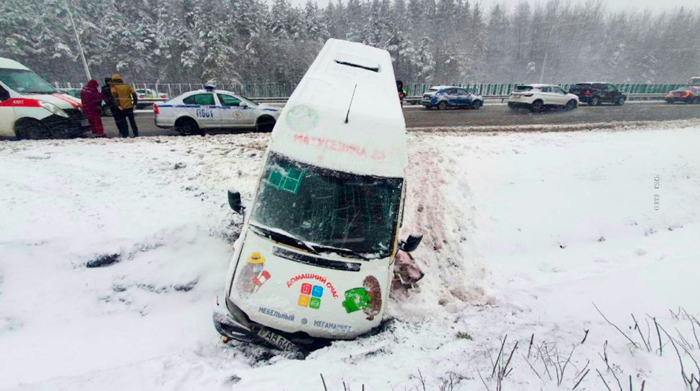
x: 596, y: 94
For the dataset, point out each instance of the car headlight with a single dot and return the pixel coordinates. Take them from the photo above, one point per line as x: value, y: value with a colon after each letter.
x: 53, y: 109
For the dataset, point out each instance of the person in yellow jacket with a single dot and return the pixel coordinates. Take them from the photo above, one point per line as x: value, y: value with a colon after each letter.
x: 125, y: 101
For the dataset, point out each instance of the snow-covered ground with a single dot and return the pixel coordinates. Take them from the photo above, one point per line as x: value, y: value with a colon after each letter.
x: 523, y: 233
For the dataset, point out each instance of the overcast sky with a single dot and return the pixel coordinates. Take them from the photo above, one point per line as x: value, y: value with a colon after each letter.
x: 654, y: 5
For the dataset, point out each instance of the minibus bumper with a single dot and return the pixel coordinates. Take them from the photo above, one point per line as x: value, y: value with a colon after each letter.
x: 231, y: 322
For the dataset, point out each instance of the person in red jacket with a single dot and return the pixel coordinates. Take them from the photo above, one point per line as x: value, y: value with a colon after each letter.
x: 92, y: 99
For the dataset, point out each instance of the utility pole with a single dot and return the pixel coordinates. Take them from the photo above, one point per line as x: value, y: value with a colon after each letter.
x: 77, y: 38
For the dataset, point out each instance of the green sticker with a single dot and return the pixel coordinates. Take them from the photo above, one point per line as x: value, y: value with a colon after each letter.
x: 275, y: 179
x: 289, y: 182
x: 356, y: 299
x: 315, y: 303
x: 292, y: 181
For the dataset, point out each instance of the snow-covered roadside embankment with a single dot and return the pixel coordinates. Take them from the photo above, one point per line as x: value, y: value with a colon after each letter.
x: 523, y: 232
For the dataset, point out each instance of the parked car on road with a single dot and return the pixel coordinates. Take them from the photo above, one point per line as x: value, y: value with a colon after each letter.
x: 31, y: 108
x: 536, y: 97
x: 146, y: 94
x: 596, y: 94
x: 209, y: 108
x: 444, y: 97
x: 685, y: 95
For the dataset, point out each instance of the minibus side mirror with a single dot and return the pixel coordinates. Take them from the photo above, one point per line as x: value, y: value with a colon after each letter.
x: 234, y: 201
x: 410, y: 244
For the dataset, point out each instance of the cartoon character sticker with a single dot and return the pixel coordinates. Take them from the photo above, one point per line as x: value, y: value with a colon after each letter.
x: 253, y: 275
x: 368, y: 298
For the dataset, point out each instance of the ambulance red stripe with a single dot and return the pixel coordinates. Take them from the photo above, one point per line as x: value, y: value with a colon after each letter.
x: 20, y: 102
x: 73, y: 103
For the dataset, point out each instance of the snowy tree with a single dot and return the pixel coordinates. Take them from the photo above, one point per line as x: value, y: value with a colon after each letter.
x: 274, y: 41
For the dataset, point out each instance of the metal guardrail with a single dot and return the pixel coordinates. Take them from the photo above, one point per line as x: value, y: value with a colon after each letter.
x: 272, y: 92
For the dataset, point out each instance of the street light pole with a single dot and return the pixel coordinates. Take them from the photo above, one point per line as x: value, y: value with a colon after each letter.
x: 77, y: 38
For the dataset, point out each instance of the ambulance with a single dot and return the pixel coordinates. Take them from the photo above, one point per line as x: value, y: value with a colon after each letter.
x: 30, y: 108
x: 315, y: 258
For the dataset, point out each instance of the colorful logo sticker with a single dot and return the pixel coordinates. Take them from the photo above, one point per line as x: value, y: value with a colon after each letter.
x: 306, y: 287
x: 368, y: 298
x: 310, y: 296
x: 253, y: 275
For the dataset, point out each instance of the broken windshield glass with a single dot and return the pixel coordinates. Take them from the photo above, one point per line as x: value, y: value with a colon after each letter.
x: 347, y: 213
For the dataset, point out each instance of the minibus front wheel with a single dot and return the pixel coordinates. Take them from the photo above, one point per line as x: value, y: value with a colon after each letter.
x: 31, y: 129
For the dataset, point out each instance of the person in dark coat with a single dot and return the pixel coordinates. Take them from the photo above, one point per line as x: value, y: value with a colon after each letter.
x: 118, y: 115
x: 92, y: 99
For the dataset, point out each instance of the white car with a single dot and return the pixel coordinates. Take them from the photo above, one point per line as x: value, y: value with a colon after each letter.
x: 30, y: 108
x: 150, y: 94
x: 212, y: 109
x: 538, y: 96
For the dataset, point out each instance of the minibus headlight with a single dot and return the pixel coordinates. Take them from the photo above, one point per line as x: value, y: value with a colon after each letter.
x: 53, y: 109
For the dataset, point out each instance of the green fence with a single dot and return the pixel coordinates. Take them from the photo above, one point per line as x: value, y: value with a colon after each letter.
x: 284, y: 90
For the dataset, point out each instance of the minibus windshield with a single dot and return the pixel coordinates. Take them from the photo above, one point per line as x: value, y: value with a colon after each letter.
x: 25, y: 82
x: 330, y: 210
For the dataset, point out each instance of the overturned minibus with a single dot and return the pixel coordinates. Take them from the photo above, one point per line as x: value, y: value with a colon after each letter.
x: 315, y: 258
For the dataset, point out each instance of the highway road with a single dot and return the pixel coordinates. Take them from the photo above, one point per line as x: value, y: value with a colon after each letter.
x: 493, y: 115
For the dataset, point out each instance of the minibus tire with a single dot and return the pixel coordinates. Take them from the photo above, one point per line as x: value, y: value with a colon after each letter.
x: 31, y: 129
x: 265, y: 124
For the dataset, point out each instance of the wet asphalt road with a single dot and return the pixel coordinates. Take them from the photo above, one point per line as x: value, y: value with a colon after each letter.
x: 494, y: 115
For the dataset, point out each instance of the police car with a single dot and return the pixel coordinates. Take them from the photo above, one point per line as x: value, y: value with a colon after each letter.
x: 30, y: 108
x: 211, y: 109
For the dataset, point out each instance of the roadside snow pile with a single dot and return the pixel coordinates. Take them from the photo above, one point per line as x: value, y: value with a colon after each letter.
x: 113, y: 250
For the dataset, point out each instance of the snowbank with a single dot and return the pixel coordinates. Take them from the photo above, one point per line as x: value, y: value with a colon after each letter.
x: 523, y: 232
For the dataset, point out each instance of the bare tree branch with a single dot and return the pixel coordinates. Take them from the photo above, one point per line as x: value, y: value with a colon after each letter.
x: 636, y: 326
x: 493, y: 372
x: 603, y: 379
x: 585, y: 336
x: 482, y: 380
x: 615, y: 326
x: 581, y: 379
x: 531, y: 367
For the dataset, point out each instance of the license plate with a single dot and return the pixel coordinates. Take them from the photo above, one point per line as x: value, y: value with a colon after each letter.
x: 84, y: 122
x: 277, y: 340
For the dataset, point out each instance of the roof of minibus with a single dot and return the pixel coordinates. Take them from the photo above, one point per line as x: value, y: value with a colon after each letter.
x: 313, y: 129
x: 6, y: 63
